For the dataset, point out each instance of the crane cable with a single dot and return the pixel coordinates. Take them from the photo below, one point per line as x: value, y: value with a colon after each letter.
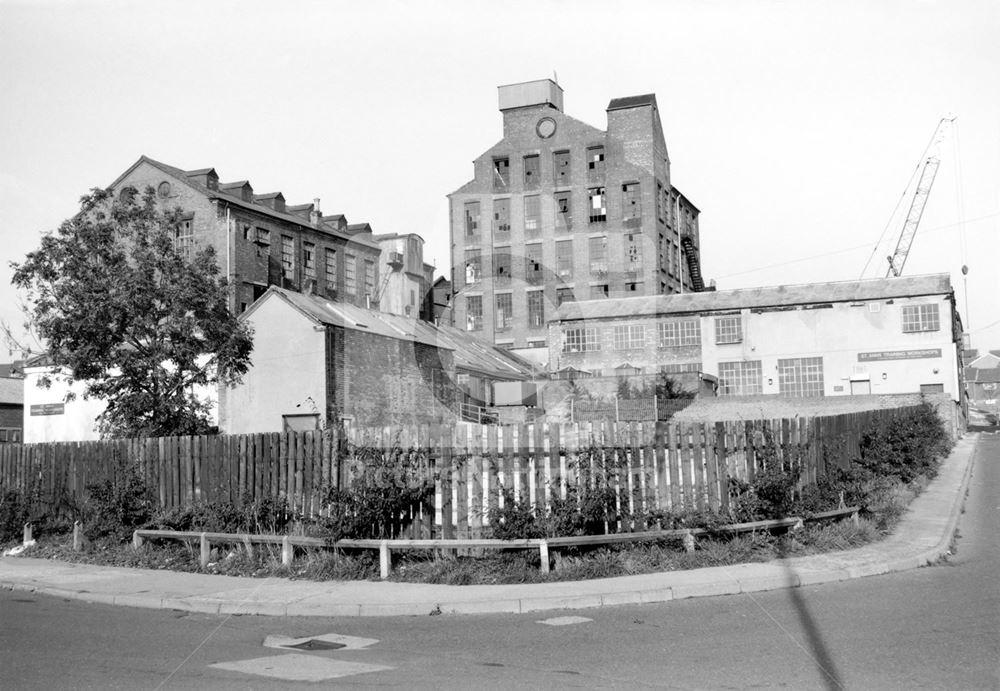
x: 902, y: 197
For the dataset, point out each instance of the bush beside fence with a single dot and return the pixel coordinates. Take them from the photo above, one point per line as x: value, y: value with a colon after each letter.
x: 646, y: 469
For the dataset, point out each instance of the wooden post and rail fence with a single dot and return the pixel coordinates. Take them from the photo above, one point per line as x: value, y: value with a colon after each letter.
x: 659, y: 466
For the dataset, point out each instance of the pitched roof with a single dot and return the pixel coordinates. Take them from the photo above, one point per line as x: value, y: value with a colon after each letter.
x: 632, y: 102
x: 469, y: 353
x: 768, y: 296
x: 982, y: 376
x: 220, y: 194
x: 987, y: 361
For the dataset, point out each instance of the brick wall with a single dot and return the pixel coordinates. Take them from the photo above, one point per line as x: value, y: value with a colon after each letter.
x: 376, y: 380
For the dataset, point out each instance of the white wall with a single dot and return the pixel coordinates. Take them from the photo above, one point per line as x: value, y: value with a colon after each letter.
x: 72, y: 421
x: 838, y: 335
x: 289, y: 366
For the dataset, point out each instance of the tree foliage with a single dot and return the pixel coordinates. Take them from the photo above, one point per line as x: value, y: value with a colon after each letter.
x: 135, y: 318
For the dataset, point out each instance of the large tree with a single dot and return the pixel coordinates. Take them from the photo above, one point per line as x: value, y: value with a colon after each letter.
x: 137, y: 319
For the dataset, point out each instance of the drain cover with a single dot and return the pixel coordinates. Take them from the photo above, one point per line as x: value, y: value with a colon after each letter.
x: 313, y: 644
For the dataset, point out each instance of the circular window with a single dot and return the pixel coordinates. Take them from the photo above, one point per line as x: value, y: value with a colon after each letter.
x: 545, y: 128
x: 164, y: 189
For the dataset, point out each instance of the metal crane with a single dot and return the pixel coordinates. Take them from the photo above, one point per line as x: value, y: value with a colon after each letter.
x: 931, y: 161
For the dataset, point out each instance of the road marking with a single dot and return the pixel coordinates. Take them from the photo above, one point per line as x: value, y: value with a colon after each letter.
x: 298, y: 667
x: 564, y: 621
x: 336, y: 641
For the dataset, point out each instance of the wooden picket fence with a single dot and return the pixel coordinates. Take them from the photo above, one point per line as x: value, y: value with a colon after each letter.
x: 650, y: 465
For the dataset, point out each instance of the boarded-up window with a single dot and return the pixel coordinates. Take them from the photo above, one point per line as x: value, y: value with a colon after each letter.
x: 595, y: 160
x: 309, y: 259
x: 633, y: 253
x: 501, y: 265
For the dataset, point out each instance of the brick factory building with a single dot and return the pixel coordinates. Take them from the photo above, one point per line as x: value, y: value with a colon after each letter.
x: 559, y: 210
x: 260, y: 240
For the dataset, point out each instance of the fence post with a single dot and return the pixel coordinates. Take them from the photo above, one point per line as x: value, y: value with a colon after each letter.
x: 27, y: 533
x: 78, y: 537
x: 286, y: 551
x: 543, y: 552
x: 384, y: 559
x: 136, y: 539
x: 617, y: 415
x: 688, y: 541
x: 206, y: 550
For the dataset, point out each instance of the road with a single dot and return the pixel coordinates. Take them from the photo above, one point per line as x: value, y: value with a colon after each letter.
x: 931, y: 628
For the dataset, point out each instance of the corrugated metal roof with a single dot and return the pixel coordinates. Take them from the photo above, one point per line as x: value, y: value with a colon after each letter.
x: 749, y: 298
x: 632, y: 102
x: 469, y: 353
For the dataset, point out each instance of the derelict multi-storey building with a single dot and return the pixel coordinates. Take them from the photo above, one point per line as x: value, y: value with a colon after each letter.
x: 559, y: 211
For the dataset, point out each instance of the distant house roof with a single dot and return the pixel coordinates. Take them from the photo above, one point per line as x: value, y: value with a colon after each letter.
x: 764, y: 297
x: 469, y: 353
x: 222, y: 195
x: 982, y: 376
x: 987, y: 361
x: 11, y: 391
x: 632, y: 102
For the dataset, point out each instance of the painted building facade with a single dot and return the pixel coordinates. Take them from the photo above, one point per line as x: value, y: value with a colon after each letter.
x: 559, y: 210
x: 879, y: 336
x: 406, y: 283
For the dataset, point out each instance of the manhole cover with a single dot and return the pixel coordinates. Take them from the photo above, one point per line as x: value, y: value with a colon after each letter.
x: 313, y: 644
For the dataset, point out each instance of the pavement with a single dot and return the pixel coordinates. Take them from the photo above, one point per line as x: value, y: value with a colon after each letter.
x: 923, y: 536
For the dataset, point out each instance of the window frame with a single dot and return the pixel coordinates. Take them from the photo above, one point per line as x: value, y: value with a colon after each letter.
x: 921, y: 318
x: 725, y: 334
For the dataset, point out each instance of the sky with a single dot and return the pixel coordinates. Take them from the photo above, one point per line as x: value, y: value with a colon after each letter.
x: 794, y: 127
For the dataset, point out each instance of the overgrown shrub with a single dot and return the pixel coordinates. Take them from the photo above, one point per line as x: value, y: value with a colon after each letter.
x: 265, y: 516
x: 905, y: 445
x: 387, y: 488
x: 118, y: 504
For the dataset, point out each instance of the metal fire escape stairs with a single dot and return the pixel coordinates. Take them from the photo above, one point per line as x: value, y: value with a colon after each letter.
x: 693, y: 264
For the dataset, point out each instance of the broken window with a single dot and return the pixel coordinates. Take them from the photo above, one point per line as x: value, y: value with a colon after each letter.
x: 474, y: 313
x: 595, y: 161
x: 532, y: 214
x: 184, y: 237
x: 564, y: 259
x: 533, y: 263
x: 309, y: 259
x: 532, y: 172
x: 564, y: 219
x: 598, y: 256
x: 501, y: 173
x: 504, y: 311
x: 330, y: 274
x: 564, y: 295
x: 536, y: 308
x: 471, y: 218
x: 598, y: 205
x: 473, y: 265
x: 599, y: 292
x: 560, y: 165
x: 288, y: 257
x: 501, y: 265
x: 631, y: 202
x: 633, y: 253
x: 728, y: 330
x: 501, y: 216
